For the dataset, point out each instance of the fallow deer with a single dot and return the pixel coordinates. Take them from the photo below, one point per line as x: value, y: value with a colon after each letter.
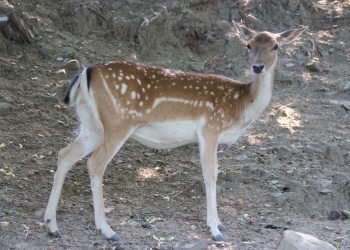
x: 163, y: 109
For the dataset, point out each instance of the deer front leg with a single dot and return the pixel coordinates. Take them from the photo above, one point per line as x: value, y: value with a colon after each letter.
x: 208, y: 154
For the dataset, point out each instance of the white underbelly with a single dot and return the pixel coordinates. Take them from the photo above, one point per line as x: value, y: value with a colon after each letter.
x: 164, y: 135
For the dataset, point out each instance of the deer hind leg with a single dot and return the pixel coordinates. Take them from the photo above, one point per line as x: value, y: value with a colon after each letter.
x: 97, y: 164
x: 86, y: 142
x: 208, y: 154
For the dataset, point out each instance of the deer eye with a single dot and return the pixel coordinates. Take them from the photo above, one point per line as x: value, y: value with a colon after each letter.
x: 275, y: 47
x: 248, y: 46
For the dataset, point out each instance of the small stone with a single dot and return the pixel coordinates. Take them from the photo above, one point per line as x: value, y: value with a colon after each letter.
x: 298, y: 241
x: 61, y: 74
x: 44, y: 52
x: 333, y: 154
x: 346, y: 213
x: 72, y: 65
x: 255, y: 23
x: 347, y: 86
x: 313, y: 67
x: 321, y: 184
x: 161, y: 17
x: 224, y: 26
x: 295, y: 186
x: 72, y: 55
x: 340, y: 177
x: 197, y: 2
x: 241, y: 158
x: 200, y: 245
x: 333, y: 215
x: 325, y: 191
x: 193, y: 227
x: 5, y: 108
x: 314, y: 148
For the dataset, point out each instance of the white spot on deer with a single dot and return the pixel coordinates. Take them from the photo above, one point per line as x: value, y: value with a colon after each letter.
x: 204, y: 87
x: 185, y: 87
x: 195, y: 103
x: 117, y: 86
x: 236, y: 95
x: 190, y: 86
x: 212, y: 93
x: 141, y: 104
x: 174, y: 83
x: 123, y: 89
x: 132, y: 77
x: 153, y: 76
x: 127, y: 102
x: 148, y: 111
x: 146, y: 98
x: 200, y: 104
x: 148, y: 86
x: 138, y: 96
x: 138, y: 81
x: 197, y: 87
x: 109, y: 68
x: 133, y: 94
x: 121, y: 73
x: 143, y: 90
x: 127, y: 77
x: 120, y: 78
x: 106, y: 76
x: 209, y: 105
x: 113, y: 75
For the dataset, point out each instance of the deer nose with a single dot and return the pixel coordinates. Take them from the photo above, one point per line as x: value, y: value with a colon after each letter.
x: 258, y: 68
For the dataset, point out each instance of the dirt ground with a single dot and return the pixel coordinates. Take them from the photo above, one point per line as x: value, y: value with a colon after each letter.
x: 291, y: 170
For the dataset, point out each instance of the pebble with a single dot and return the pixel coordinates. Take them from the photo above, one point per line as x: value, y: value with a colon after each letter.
x: 313, y: 67
x: 5, y: 108
x: 224, y: 26
x: 333, y: 215
x: 161, y: 17
x: 347, y: 86
x: 283, y: 76
x: 200, y: 245
x: 72, y: 65
x: 346, y: 213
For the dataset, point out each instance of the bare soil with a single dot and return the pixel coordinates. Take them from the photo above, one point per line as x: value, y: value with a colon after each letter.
x: 155, y: 198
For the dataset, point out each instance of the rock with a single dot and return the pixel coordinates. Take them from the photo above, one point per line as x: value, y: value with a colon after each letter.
x: 224, y: 26
x: 298, y: 241
x: 44, y: 52
x: 314, y: 148
x: 61, y: 74
x: 283, y: 77
x: 305, y: 231
x: 321, y: 184
x: 347, y: 86
x: 313, y: 67
x: 72, y: 65
x: 293, y: 5
x: 197, y: 66
x: 197, y: 2
x: 5, y: 108
x: 241, y: 158
x: 191, y: 15
x: 200, y: 245
x: 333, y: 154
x: 7, y: 31
x: 333, y: 215
x: 340, y: 177
x: 281, y: 198
x: 255, y: 23
x: 161, y: 17
x: 343, y: 104
x: 72, y: 55
x: 3, y: 20
x: 325, y: 191
x: 295, y: 186
x: 346, y: 213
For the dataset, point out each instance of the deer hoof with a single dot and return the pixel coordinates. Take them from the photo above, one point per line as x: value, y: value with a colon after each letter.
x: 56, y: 234
x: 114, y: 238
x: 219, y: 237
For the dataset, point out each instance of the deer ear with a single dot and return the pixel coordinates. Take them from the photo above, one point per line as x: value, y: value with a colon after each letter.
x: 290, y: 35
x: 245, y: 33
